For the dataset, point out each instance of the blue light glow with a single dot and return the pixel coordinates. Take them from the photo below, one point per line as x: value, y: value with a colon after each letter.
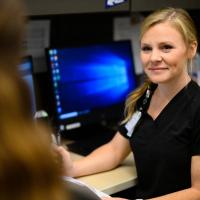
x: 94, y: 77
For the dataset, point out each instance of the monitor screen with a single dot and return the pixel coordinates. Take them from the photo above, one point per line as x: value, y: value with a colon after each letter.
x: 26, y: 70
x: 90, y: 83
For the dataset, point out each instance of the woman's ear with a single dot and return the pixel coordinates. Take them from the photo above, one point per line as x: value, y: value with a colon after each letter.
x: 192, y: 49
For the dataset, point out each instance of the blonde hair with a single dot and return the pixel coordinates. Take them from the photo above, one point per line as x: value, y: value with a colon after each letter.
x: 183, y: 23
x: 177, y: 17
x: 28, y: 168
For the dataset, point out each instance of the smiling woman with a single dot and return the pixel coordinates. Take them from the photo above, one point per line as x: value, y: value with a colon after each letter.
x: 162, y: 121
x: 165, y: 56
x: 168, y: 44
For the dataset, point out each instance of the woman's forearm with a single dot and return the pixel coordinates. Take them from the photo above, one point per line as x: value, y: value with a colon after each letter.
x: 101, y: 159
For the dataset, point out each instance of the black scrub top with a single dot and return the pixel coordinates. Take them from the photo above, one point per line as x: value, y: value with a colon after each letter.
x: 163, y: 147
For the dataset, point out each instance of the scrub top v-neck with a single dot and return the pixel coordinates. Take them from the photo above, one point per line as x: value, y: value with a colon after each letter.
x: 163, y: 147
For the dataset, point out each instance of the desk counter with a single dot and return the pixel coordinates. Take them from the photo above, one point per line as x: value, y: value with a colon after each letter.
x: 116, y: 180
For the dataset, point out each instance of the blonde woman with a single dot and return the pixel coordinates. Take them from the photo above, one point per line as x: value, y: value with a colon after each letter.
x: 162, y: 122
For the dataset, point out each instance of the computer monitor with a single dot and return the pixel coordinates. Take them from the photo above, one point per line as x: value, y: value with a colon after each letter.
x: 90, y: 83
x: 26, y: 71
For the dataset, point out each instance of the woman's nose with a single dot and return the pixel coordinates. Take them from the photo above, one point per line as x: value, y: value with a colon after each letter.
x: 155, y: 55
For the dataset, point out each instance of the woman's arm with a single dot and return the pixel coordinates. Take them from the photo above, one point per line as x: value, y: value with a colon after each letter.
x: 103, y: 158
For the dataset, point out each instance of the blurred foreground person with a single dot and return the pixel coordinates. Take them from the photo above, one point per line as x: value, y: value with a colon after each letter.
x: 28, y: 168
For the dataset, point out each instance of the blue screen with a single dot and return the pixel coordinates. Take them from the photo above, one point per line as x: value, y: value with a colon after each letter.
x: 91, y: 77
x: 26, y: 71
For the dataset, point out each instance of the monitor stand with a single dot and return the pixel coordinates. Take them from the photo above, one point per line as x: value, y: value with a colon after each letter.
x: 90, y: 139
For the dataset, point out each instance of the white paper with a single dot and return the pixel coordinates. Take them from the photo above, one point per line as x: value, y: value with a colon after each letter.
x: 124, y: 30
x: 36, y: 40
x: 97, y: 192
x: 135, y: 37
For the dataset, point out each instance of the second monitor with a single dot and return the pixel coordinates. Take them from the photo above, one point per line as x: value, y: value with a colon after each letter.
x: 26, y: 71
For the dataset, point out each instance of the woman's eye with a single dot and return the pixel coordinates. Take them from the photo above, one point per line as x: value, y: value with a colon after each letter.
x: 167, y: 48
x: 146, y: 49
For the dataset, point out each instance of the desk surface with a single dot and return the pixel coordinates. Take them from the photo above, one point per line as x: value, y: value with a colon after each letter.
x: 115, y: 180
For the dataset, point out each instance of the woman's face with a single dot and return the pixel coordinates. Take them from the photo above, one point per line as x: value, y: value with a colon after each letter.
x: 163, y: 53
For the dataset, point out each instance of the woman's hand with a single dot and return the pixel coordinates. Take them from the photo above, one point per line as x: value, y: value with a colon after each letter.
x: 67, y: 163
